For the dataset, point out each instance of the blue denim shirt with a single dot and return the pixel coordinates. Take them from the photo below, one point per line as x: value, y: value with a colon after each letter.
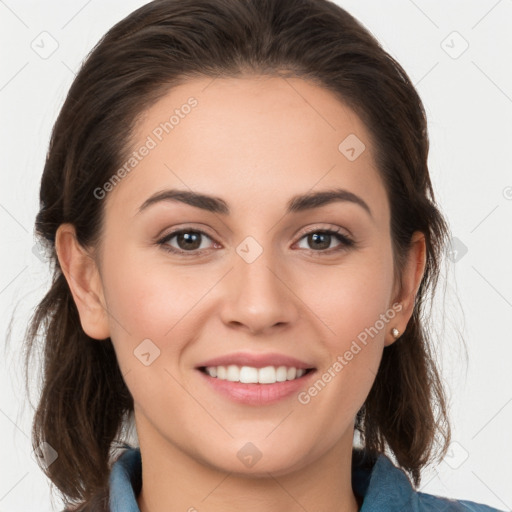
x: 383, y: 486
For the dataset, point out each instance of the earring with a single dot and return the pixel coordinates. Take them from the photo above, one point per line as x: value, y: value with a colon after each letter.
x: 395, y: 332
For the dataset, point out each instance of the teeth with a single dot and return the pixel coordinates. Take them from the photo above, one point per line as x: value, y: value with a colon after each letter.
x: 251, y: 375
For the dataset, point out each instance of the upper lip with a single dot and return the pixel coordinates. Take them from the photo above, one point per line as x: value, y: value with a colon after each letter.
x: 256, y: 360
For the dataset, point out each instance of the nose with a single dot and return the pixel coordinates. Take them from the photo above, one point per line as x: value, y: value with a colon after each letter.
x: 258, y: 296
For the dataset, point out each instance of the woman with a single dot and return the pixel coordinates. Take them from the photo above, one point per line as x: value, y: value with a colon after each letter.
x: 238, y: 204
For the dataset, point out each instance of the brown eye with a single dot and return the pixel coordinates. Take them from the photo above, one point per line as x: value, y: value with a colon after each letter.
x: 320, y: 241
x: 185, y: 241
x: 188, y: 240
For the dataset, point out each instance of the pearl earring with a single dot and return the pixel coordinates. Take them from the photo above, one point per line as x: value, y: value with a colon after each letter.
x: 395, y: 332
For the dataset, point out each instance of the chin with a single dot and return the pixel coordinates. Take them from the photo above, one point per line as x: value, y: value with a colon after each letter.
x: 247, y: 459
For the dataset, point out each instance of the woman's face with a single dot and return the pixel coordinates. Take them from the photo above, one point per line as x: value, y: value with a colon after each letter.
x: 253, y: 273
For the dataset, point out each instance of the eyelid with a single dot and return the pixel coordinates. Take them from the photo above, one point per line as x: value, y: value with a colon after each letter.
x: 184, y: 227
x: 330, y: 227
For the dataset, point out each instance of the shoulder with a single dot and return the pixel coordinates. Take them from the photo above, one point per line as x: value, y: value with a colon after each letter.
x: 429, y: 502
x: 386, y: 488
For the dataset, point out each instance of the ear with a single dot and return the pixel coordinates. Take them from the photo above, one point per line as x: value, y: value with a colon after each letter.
x: 84, y: 281
x: 411, y: 280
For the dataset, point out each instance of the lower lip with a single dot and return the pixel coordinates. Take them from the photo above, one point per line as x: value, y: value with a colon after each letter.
x: 257, y: 394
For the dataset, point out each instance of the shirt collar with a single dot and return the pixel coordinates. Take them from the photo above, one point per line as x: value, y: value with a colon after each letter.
x: 125, y: 481
x: 384, y: 486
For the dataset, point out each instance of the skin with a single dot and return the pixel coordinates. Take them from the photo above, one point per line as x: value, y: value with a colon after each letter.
x: 254, y: 142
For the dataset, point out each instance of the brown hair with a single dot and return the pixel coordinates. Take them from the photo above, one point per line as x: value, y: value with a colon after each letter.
x: 84, y: 401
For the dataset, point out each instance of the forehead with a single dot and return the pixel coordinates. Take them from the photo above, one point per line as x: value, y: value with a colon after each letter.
x: 252, y: 138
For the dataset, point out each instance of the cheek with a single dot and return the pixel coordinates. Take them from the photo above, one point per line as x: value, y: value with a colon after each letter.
x: 152, y: 317
x: 143, y: 303
x: 349, y: 297
x: 352, y: 303
x: 147, y: 296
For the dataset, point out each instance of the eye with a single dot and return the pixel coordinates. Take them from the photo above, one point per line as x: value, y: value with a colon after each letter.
x: 320, y: 241
x: 192, y: 242
x: 187, y: 241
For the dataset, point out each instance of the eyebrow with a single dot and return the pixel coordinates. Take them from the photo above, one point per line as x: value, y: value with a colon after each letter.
x: 298, y: 203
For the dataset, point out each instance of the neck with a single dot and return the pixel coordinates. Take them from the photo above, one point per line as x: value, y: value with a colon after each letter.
x: 175, y: 481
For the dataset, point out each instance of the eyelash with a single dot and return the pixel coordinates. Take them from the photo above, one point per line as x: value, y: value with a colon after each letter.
x: 345, y: 242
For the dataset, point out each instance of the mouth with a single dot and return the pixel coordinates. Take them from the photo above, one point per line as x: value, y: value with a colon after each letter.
x: 256, y: 386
